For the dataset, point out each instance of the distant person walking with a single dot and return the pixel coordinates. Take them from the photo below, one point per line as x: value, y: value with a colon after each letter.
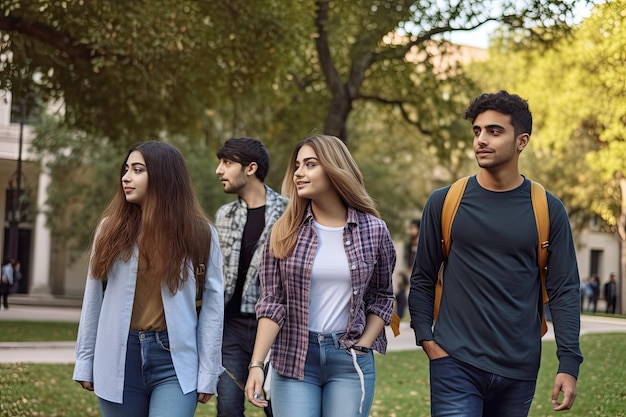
x: 594, y: 285
x: 7, y: 279
x: 610, y: 294
x: 402, y: 290
x: 586, y: 295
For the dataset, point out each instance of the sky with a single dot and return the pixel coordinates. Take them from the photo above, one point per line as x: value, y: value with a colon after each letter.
x: 479, y: 38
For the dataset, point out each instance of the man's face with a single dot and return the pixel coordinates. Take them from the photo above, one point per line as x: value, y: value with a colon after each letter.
x: 232, y: 176
x: 495, y: 143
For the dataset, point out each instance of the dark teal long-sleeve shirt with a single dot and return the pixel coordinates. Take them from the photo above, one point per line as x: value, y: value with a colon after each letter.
x: 490, y: 314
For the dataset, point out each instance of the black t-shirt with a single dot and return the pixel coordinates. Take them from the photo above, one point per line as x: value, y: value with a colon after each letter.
x: 251, y: 233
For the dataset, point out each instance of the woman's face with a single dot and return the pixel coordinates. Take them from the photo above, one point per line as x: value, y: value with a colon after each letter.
x: 135, y: 178
x: 309, y: 177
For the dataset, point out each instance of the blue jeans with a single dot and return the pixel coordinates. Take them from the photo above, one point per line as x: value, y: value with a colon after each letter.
x: 461, y: 390
x: 151, y: 387
x: 237, y: 345
x: 332, y: 385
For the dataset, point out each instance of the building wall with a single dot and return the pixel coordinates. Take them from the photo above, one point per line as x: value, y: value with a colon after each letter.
x: 32, y: 254
x: 607, y: 247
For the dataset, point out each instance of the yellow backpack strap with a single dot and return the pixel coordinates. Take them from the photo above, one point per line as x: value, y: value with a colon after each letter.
x: 448, y: 211
x: 395, y: 324
x: 542, y: 217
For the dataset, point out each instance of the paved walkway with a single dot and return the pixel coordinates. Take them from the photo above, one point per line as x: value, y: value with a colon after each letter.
x: 63, y: 352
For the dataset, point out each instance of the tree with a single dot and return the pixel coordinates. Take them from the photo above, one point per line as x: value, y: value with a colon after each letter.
x: 145, y: 67
x: 205, y: 71
x: 127, y: 70
x: 354, y: 46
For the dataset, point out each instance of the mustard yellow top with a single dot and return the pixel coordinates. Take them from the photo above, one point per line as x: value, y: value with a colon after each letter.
x: 148, y: 314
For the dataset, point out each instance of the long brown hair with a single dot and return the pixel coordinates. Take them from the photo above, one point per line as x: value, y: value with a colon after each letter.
x: 343, y: 173
x: 169, y: 227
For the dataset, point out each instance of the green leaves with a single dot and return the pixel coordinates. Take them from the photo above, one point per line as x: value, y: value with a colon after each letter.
x: 577, y: 92
x: 200, y: 72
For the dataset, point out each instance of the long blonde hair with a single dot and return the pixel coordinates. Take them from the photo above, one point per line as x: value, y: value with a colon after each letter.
x: 169, y: 227
x: 343, y: 173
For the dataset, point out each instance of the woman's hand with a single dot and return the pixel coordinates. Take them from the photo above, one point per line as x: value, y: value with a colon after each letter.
x: 254, y: 387
x: 88, y: 385
x: 203, y: 397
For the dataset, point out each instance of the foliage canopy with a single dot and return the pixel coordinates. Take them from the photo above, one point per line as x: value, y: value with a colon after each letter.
x: 379, y: 72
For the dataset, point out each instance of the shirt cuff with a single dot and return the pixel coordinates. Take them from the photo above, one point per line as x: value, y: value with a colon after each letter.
x: 569, y: 365
x: 422, y: 332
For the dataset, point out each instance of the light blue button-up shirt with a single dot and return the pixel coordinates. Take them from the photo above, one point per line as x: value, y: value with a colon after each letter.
x: 8, y: 271
x: 195, y: 342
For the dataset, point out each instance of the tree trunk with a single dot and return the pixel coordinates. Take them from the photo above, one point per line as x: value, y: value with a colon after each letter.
x: 343, y: 93
x: 338, y: 111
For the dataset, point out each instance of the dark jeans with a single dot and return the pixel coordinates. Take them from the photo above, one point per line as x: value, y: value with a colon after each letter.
x: 5, y: 290
x: 610, y: 305
x: 461, y: 390
x: 237, y: 346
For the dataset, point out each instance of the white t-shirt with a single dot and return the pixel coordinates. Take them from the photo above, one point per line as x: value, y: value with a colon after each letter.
x: 330, y: 282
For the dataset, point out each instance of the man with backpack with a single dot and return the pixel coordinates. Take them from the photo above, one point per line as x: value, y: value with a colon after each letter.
x: 485, y: 346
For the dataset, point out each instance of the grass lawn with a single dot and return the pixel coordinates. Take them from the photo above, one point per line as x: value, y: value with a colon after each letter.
x: 401, y: 391
x: 36, y: 331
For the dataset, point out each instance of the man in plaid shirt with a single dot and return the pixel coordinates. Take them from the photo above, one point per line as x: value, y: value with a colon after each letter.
x: 243, y: 227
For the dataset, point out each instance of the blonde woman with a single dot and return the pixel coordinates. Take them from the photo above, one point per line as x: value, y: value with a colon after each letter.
x: 326, y: 290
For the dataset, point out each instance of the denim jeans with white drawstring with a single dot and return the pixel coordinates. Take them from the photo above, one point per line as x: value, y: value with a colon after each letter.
x: 337, y: 382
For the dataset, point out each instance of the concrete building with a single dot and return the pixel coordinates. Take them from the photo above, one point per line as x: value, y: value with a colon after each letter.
x: 28, y: 238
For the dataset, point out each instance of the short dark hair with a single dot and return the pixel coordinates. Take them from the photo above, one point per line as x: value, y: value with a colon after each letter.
x: 245, y: 151
x: 505, y: 103
x: 416, y: 223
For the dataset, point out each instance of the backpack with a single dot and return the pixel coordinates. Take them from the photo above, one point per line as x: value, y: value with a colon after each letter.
x: 200, y: 270
x: 542, y: 218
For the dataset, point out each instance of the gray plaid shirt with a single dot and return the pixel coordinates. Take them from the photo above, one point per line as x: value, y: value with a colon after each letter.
x: 230, y: 220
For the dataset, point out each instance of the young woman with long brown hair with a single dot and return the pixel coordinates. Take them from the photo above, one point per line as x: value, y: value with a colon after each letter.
x: 141, y: 344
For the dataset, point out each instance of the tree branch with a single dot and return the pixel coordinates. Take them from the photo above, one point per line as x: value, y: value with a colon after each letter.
x: 323, y: 50
x: 400, y: 105
x: 48, y: 35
